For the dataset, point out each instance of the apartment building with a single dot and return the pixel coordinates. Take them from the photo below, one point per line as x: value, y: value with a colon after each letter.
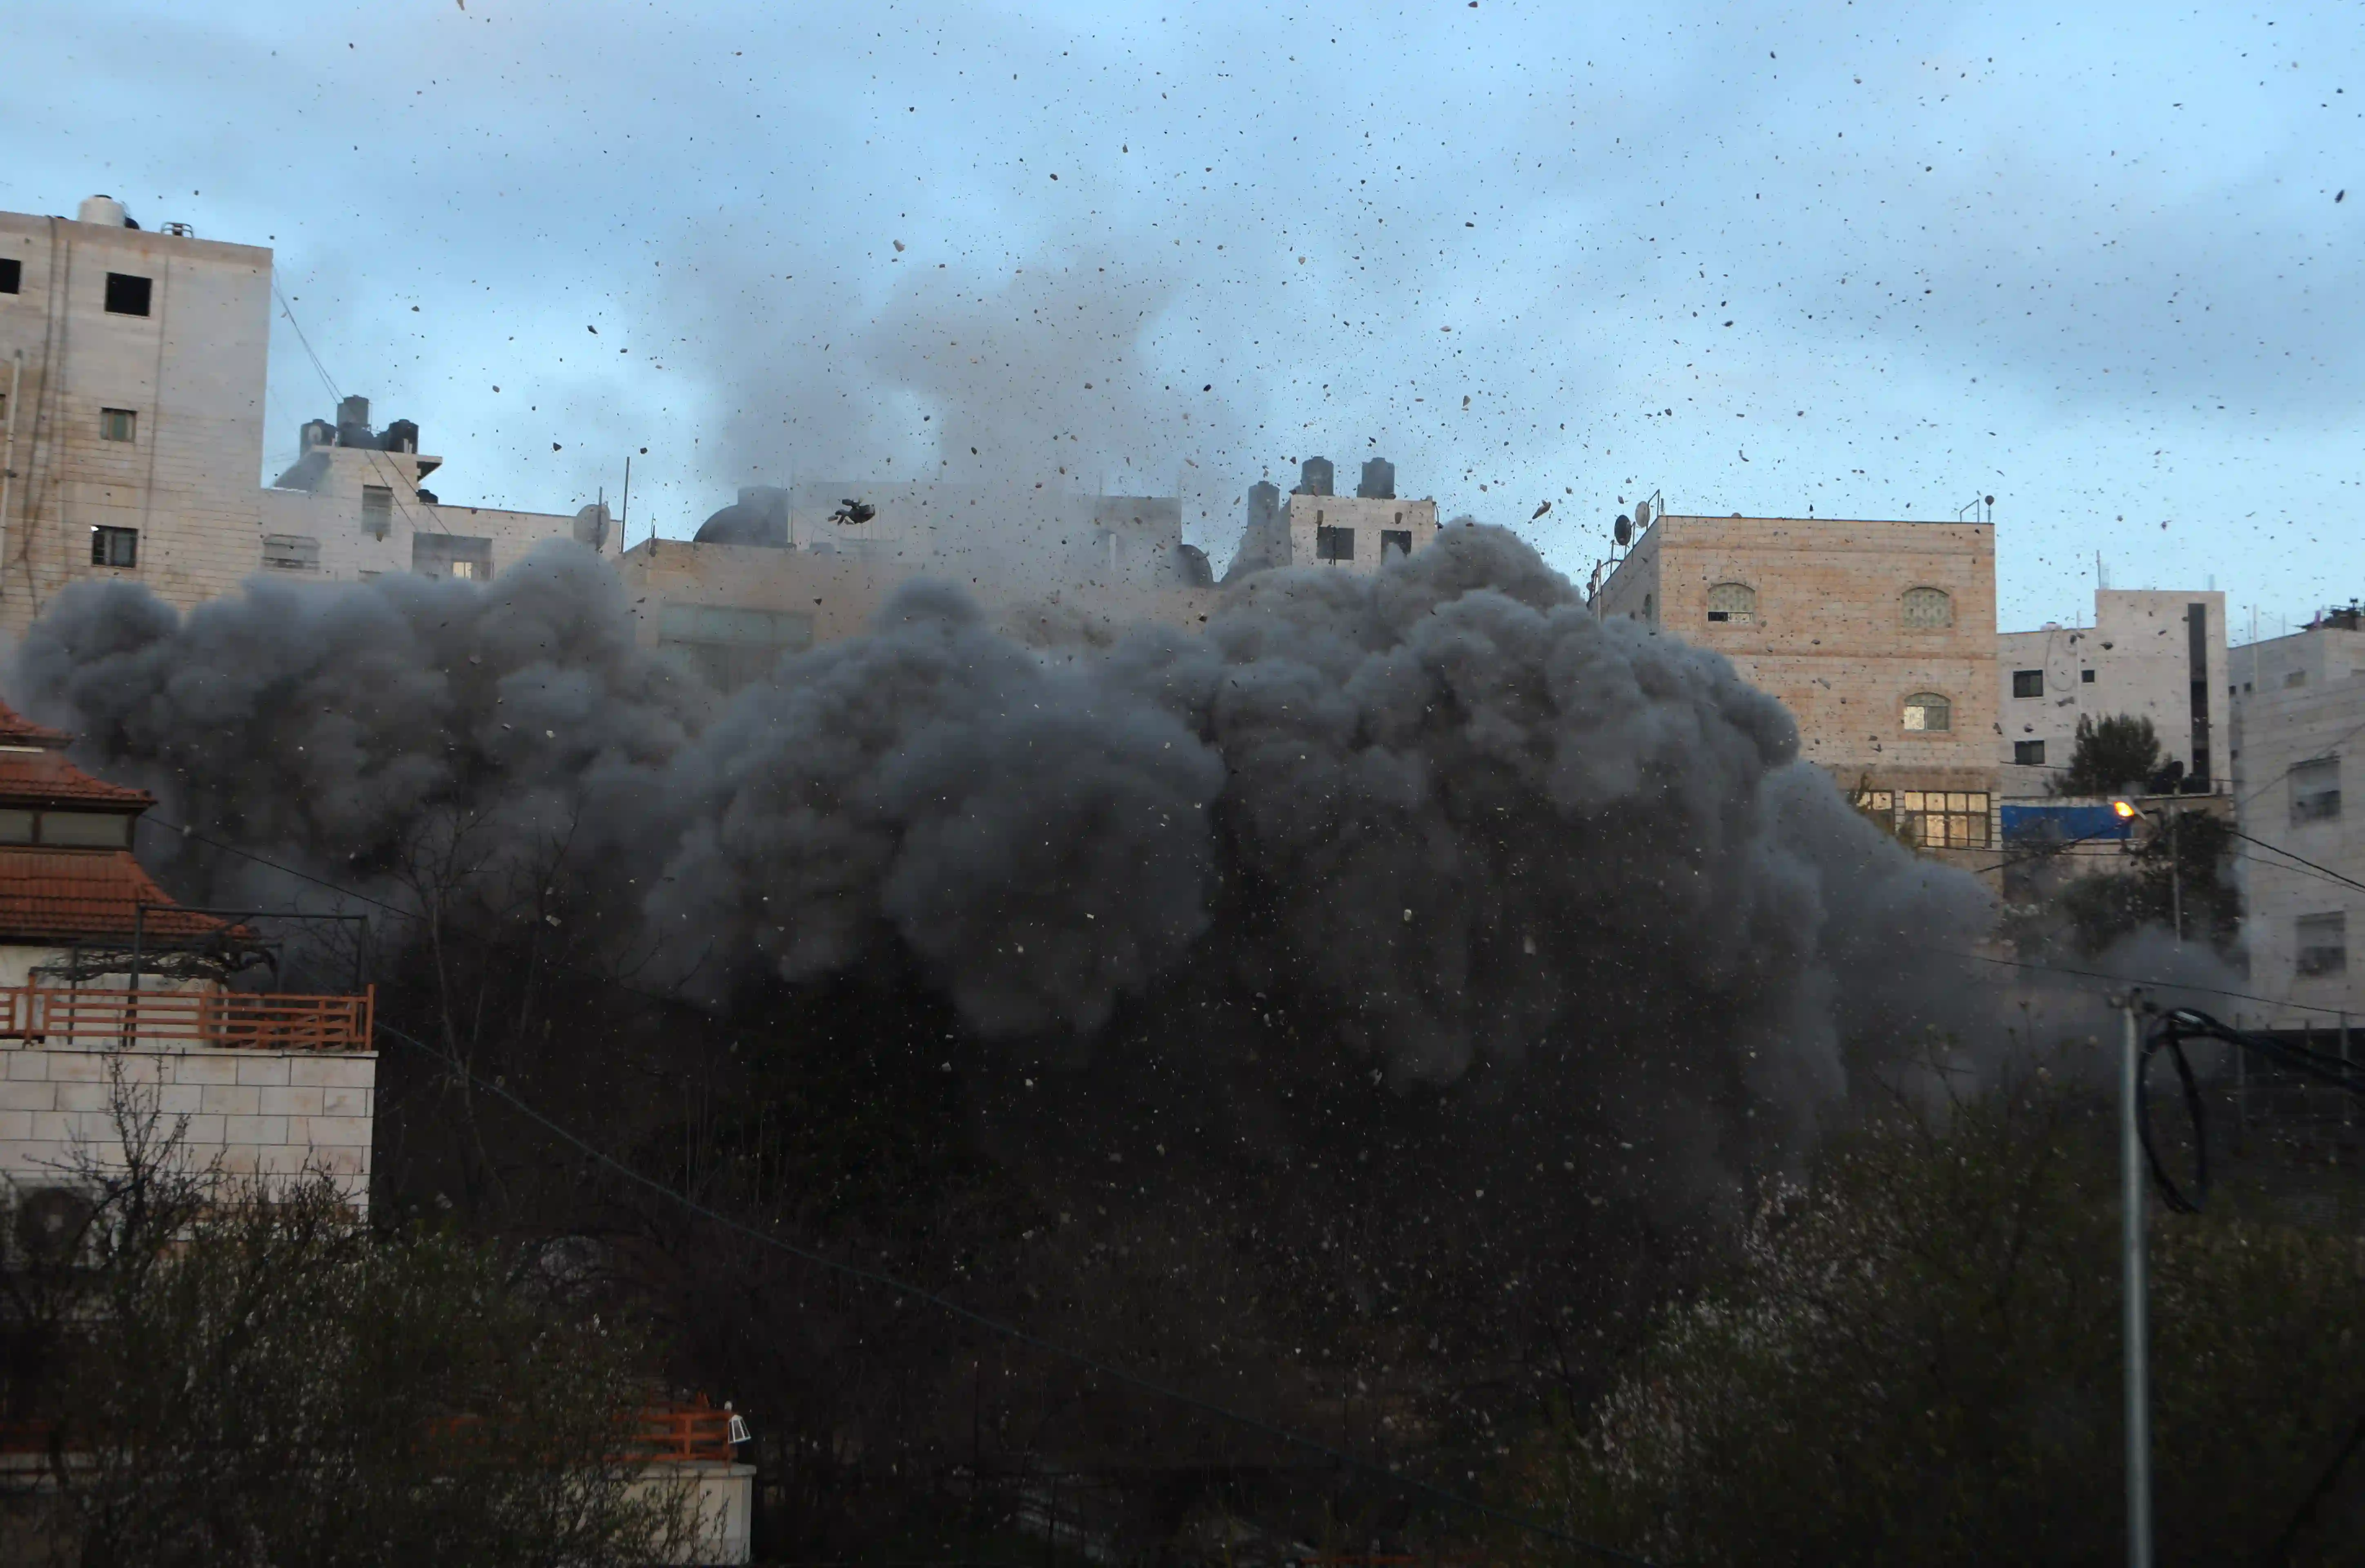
x: 2151, y: 653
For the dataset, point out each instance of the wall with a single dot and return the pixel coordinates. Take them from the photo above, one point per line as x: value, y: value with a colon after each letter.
x: 2279, y: 722
x: 2139, y: 652
x: 320, y: 500
x: 1305, y: 515
x: 192, y: 369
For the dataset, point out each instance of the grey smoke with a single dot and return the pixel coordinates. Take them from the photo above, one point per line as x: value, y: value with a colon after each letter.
x: 1440, y: 816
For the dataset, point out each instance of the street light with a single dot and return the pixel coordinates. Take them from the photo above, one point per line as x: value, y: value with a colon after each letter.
x: 2127, y: 812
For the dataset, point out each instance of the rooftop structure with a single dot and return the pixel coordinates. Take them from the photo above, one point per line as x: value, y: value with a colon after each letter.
x: 1315, y: 528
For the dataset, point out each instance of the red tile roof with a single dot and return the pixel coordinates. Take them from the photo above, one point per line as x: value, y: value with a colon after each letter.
x: 18, y: 730
x: 82, y: 895
x: 37, y: 779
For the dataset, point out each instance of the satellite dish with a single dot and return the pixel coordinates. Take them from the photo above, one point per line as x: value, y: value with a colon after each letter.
x: 1624, y: 531
x: 1642, y: 514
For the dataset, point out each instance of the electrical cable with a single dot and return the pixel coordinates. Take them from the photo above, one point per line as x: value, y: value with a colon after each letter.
x: 2180, y: 1024
x: 1009, y: 1330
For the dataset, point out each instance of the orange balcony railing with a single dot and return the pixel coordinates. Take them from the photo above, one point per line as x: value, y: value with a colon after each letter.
x: 681, y: 1434
x: 218, y: 1019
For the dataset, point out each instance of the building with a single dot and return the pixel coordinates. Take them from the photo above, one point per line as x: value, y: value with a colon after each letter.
x: 1878, y: 636
x: 132, y: 366
x: 1315, y: 528
x: 2298, y: 719
x: 2151, y: 653
x: 101, y: 971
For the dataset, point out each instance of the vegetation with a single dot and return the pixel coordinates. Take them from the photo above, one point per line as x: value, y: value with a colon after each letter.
x: 2187, y: 866
x: 222, y: 1371
x: 1918, y: 1360
x: 2119, y: 752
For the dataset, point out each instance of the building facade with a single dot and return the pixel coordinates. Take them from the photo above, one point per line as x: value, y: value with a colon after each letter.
x: 1878, y: 636
x: 2298, y: 722
x: 2151, y: 653
x: 1313, y: 527
x: 132, y: 366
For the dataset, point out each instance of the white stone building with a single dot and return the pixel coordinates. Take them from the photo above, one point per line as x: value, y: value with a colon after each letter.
x: 2155, y: 654
x: 2299, y: 723
x: 1315, y: 528
x: 132, y: 367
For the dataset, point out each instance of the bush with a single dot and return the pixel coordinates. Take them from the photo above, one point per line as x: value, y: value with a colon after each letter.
x: 1919, y: 1361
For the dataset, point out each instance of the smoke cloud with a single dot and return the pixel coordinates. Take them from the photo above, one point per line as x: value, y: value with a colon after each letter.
x: 1438, y: 818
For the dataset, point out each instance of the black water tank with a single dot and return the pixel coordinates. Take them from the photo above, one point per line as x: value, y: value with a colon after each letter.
x: 1314, y: 478
x: 400, y: 436
x: 1379, y: 481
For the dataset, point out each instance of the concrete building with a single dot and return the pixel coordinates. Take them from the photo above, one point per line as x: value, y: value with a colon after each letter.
x: 1878, y: 636
x: 131, y: 393
x: 101, y: 973
x: 1315, y: 528
x: 2298, y: 722
x: 2153, y: 654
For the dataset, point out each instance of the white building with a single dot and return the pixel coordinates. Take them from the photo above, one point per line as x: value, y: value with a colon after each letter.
x: 1315, y: 528
x: 2299, y: 721
x: 2153, y: 654
x: 131, y: 393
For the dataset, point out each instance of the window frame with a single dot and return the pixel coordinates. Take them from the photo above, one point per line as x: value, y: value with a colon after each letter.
x: 1921, y: 701
x: 104, y: 537
x: 12, y: 274
x: 2027, y: 683
x: 1906, y: 601
x: 1743, y: 613
x: 2319, y: 804
x: 120, y: 294
x: 2322, y: 960
x: 127, y: 420
x: 1327, y: 540
x: 2028, y: 754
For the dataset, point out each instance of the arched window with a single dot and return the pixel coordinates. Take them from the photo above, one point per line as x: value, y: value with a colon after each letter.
x: 1735, y: 603
x: 1929, y: 710
x: 1926, y: 608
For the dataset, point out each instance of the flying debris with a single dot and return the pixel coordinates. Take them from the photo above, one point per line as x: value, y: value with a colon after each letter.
x: 1540, y: 512
x: 851, y: 512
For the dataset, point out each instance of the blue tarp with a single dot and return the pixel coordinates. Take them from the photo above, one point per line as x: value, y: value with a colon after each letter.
x: 2037, y: 823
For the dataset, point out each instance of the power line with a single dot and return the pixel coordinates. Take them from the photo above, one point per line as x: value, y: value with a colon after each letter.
x: 2278, y: 849
x: 377, y: 459
x: 1009, y: 1330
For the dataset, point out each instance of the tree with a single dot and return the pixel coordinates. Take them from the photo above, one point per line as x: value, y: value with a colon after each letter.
x: 1919, y: 1361
x: 2187, y: 867
x: 2119, y: 752
x: 246, y: 1373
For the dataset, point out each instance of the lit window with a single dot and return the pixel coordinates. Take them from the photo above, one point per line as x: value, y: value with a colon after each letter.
x: 1733, y: 602
x: 2028, y: 683
x: 464, y: 569
x: 113, y: 546
x: 1928, y: 608
x: 1928, y: 710
x: 117, y: 424
x: 1948, y: 819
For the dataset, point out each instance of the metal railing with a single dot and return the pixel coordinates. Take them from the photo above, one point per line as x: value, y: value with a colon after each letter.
x: 214, y: 1019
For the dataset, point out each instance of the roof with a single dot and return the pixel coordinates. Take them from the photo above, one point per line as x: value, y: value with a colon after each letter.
x: 18, y: 730
x: 81, y: 895
x: 34, y: 771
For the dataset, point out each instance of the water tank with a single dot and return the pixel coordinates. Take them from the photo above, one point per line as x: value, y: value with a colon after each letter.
x: 591, y: 526
x: 319, y: 432
x: 1379, y: 481
x: 761, y: 516
x: 1314, y: 478
x: 352, y: 424
x: 105, y: 210
x: 400, y: 436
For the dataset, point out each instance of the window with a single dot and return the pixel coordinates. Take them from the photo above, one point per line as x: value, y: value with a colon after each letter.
x: 2028, y: 754
x: 291, y: 552
x: 1649, y: 614
x: 1735, y: 603
x: 1396, y: 539
x: 2295, y: 677
x: 2086, y: 678
x: 2316, y: 789
x: 1927, y: 608
x: 2028, y: 683
x: 2320, y: 943
x: 452, y: 556
x: 117, y: 424
x: 731, y: 646
x: 377, y: 510
x: 127, y: 295
x: 1928, y: 710
x: 113, y: 546
x: 71, y: 830
x: 1952, y: 818
x: 1334, y: 543
x: 12, y: 276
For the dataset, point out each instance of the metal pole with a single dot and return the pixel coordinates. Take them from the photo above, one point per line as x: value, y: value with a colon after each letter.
x: 2137, y: 1331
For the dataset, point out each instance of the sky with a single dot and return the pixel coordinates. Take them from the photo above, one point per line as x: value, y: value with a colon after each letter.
x: 2101, y: 262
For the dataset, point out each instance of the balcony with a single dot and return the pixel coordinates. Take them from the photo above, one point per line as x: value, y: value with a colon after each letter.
x: 186, y: 1020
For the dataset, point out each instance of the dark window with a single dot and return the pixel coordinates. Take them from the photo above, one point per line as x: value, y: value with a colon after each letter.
x: 1396, y: 539
x: 86, y: 830
x: 377, y: 510
x: 291, y: 552
x: 2323, y: 944
x: 2028, y: 683
x: 117, y: 424
x: 127, y: 295
x: 2086, y: 676
x: 1334, y: 543
x: 450, y: 556
x: 2028, y: 754
x: 113, y: 546
x: 12, y: 276
x: 2316, y: 789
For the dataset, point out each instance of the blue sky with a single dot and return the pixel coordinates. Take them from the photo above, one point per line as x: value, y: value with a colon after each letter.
x: 1871, y: 259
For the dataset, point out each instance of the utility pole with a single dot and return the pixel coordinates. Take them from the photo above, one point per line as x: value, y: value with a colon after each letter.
x: 2135, y: 1325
